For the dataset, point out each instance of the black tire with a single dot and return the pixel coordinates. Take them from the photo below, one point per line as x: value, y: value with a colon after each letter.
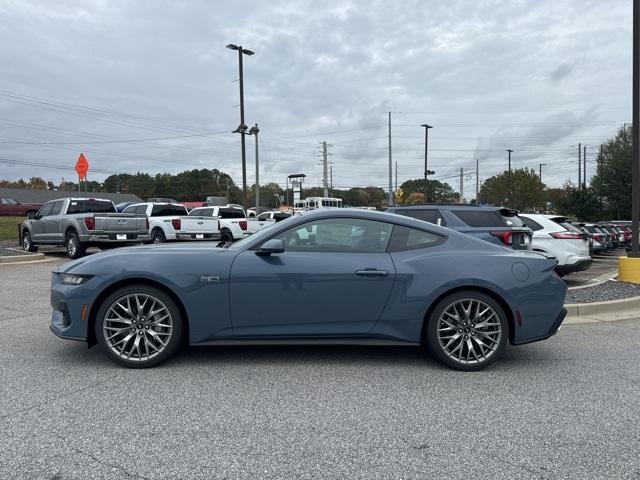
x: 157, y: 236
x: 27, y: 244
x: 439, y: 342
x: 225, y: 236
x: 74, y: 248
x: 170, y: 347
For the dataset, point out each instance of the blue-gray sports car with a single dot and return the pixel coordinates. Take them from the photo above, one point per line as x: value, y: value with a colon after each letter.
x: 337, y: 276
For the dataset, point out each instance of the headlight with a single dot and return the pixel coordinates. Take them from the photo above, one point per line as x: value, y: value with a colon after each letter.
x: 71, y: 279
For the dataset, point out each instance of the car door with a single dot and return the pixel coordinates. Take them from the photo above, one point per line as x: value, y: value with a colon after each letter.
x: 51, y: 222
x: 38, y: 223
x: 333, y: 279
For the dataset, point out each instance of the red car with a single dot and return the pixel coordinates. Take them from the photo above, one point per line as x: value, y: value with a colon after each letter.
x: 10, y: 207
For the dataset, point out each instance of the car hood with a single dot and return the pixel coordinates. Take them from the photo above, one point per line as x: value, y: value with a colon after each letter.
x: 141, y: 255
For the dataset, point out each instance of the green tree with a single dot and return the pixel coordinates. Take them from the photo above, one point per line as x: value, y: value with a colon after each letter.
x: 583, y: 204
x: 438, y: 192
x: 612, y: 182
x: 524, y: 187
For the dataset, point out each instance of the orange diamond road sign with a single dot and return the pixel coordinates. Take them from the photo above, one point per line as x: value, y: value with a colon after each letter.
x: 82, y: 167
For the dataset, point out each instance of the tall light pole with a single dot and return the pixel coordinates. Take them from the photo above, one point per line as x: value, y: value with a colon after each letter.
x: 240, y: 130
x: 509, y: 151
x: 635, y: 135
x: 426, y: 165
x: 254, y: 131
x: 540, y: 174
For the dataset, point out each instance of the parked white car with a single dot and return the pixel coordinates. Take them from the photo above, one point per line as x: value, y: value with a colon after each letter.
x: 264, y: 220
x: 554, y: 235
x: 171, y: 221
x: 232, y: 218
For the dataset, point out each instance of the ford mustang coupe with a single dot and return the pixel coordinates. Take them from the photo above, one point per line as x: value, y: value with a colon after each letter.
x: 337, y: 276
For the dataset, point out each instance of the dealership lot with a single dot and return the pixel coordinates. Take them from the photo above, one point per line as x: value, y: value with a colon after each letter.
x: 562, y: 408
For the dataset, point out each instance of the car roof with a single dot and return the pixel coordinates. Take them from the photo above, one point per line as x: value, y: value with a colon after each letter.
x: 447, y: 206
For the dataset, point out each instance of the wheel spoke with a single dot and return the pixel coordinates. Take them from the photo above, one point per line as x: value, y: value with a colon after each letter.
x: 469, y: 331
x: 131, y: 334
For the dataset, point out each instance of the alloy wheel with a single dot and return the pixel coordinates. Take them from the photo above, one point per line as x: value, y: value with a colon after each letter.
x: 137, y: 327
x: 469, y: 331
x: 26, y: 242
x: 71, y: 247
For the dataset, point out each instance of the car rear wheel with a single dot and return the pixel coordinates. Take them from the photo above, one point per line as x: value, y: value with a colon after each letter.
x: 158, y: 236
x: 225, y: 236
x: 467, y: 331
x: 27, y: 244
x: 75, y: 249
x: 139, y: 326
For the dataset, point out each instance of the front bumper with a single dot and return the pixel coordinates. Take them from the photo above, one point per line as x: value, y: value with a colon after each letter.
x: 68, y: 303
x: 574, y: 267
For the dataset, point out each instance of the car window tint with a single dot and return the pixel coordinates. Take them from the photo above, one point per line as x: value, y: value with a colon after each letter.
x: 57, y: 207
x: 91, y: 206
x: 281, y: 216
x: 405, y: 238
x: 570, y: 227
x: 511, y: 218
x: 532, y: 224
x: 45, y: 210
x: 338, y: 235
x: 263, y: 216
x: 168, y: 210
x: 480, y: 218
x: 426, y: 215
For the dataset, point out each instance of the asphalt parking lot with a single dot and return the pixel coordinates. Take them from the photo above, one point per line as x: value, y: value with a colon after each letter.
x: 567, y: 407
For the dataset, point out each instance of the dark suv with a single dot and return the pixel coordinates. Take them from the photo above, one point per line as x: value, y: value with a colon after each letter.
x: 493, y: 224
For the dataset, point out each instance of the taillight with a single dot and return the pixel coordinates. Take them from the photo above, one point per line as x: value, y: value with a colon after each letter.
x: 566, y: 235
x: 597, y: 238
x: 176, y: 223
x: 505, y: 237
x: 90, y: 223
x: 243, y: 224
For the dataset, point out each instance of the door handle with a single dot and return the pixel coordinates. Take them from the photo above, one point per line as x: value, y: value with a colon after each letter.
x: 371, y: 272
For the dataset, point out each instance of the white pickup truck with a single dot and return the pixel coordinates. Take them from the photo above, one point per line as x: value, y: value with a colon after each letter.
x: 171, y: 221
x: 264, y: 220
x: 233, y: 221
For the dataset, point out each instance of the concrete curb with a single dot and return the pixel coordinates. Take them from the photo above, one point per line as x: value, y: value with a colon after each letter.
x: 11, y: 259
x: 609, y: 311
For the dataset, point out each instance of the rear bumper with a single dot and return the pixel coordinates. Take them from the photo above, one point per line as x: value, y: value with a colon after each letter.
x: 574, y: 267
x: 113, y: 237
x: 553, y: 328
x: 197, y: 236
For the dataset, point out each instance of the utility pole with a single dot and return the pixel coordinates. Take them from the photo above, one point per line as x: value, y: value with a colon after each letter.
x: 540, y: 174
x: 426, y: 164
x: 325, y: 180
x: 461, y: 185
x: 390, y: 166
x: 509, y: 151
x: 477, y: 181
x: 579, y: 166
x: 254, y: 131
x: 396, y: 189
x: 584, y: 169
x: 331, y: 177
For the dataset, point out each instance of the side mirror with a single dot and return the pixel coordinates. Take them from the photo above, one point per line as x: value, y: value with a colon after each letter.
x: 275, y: 245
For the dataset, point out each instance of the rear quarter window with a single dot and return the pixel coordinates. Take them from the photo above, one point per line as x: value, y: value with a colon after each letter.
x: 405, y: 238
x: 532, y: 224
x: 426, y: 215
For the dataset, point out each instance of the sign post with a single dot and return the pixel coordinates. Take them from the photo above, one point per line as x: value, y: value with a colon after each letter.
x: 82, y: 167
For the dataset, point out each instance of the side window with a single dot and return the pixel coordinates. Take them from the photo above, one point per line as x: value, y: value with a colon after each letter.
x: 532, y: 224
x: 263, y: 216
x: 405, y: 238
x: 338, y: 235
x: 45, y: 211
x: 5, y: 201
x: 57, y: 208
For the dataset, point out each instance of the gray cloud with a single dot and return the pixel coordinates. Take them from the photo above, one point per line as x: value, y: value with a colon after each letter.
x: 486, y: 74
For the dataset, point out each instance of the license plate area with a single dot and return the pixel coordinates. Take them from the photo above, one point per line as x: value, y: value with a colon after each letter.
x: 121, y: 236
x: 199, y: 235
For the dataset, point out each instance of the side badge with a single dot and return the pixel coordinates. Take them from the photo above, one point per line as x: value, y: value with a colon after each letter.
x: 210, y: 279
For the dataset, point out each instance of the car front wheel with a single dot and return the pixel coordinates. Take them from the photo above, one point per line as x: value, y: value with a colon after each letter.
x: 27, y: 244
x: 139, y: 326
x: 467, y: 331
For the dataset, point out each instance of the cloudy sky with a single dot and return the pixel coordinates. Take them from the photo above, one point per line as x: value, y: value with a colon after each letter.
x: 149, y: 86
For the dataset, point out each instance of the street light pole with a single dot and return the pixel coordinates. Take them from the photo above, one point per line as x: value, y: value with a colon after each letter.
x: 254, y: 131
x: 635, y: 134
x: 426, y: 164
x: 509, y: 151
x: 242, y: 51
